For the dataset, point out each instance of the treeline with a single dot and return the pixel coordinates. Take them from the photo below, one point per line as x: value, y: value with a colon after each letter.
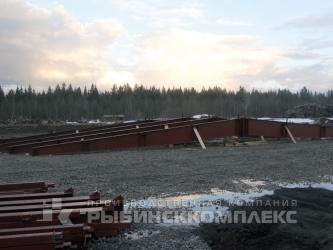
x: 67, y: 103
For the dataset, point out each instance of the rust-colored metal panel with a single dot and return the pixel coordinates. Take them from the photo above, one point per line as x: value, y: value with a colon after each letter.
x: 304, y: 130
x: 265, y: 128
x: 217, y: 129
x: 169, y: 136
x: 328, y: 132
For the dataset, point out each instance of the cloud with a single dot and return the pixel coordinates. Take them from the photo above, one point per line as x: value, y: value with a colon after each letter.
x: 316, y: 76
x: 190, y: 58
x: 44, y: 47
x: 310, y: 22
x: 48, y: 46
x: 316, y: 44
x: 296, y: 55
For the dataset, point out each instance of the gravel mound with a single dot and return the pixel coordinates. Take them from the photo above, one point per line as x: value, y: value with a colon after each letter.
x: 310, y: 110
x: 313, y: 230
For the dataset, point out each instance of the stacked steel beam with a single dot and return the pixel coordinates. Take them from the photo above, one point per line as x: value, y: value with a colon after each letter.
x: 157, y: 133
x: 58, y: 220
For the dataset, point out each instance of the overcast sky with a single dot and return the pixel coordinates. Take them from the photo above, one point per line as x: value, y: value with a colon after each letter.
x: 262, y: 44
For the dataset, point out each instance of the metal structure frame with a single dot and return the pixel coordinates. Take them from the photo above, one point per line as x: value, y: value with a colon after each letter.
x: 158, y: 133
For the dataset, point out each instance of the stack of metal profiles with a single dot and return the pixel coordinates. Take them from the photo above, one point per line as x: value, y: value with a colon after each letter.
x: 32, y: 218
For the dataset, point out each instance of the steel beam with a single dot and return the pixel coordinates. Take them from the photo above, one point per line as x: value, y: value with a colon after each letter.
x: 34, y: 187
x: 11, y: 197
x: 30, y: 239
x: 166, y: 133
x: 95, y: 196
x: 56, y: 202
x: 172, y: 135
x: 4, y: 144
x: 26, y: 148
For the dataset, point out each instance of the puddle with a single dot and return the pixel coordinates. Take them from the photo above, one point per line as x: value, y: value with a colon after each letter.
x: 218, y: 202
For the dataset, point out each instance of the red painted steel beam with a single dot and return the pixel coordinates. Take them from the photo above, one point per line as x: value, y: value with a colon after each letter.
x: 26, y: 148
x: 182, y: 132
x: 309, y: 131
x: 33, y: 247
x: 80, y: 214
x: 49, y: 218
x: 173, y: 135
x: 72, y: 229
x: 68, y: 205
x: 26, y: 186
x: 270, y: 129
x: 27, y: 223
x: 95, y: 196
x: 68, y: 193
x: 73, y: 131
x: 219, y: 129
x: 8, y: 241
x: 40, y: 215
x: 277, y: 129
x: 59, y: 135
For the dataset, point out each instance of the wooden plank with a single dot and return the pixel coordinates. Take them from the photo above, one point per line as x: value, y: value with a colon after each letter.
x: 199, y: 138
x: 255, y: 143
x: 289, y: 133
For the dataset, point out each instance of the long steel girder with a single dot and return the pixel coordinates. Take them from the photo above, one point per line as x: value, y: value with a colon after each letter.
x: 25, y: 147
x: 86, y: 131
x: 164, y: 133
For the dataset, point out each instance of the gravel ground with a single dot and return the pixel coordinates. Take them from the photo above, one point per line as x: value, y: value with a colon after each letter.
x: 161, y: 172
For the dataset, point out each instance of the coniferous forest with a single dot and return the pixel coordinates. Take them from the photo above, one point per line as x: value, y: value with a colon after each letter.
x: 65, y: 102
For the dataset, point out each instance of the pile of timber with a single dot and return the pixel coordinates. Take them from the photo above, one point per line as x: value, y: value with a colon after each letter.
x: 31, y: 218
x: 234, y: 142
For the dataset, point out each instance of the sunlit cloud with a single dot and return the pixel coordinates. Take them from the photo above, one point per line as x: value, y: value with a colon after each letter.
x: 48, y: 46
x: 190, y: 58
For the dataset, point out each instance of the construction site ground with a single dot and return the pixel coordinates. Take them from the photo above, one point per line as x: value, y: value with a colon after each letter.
x: 169, y: 172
